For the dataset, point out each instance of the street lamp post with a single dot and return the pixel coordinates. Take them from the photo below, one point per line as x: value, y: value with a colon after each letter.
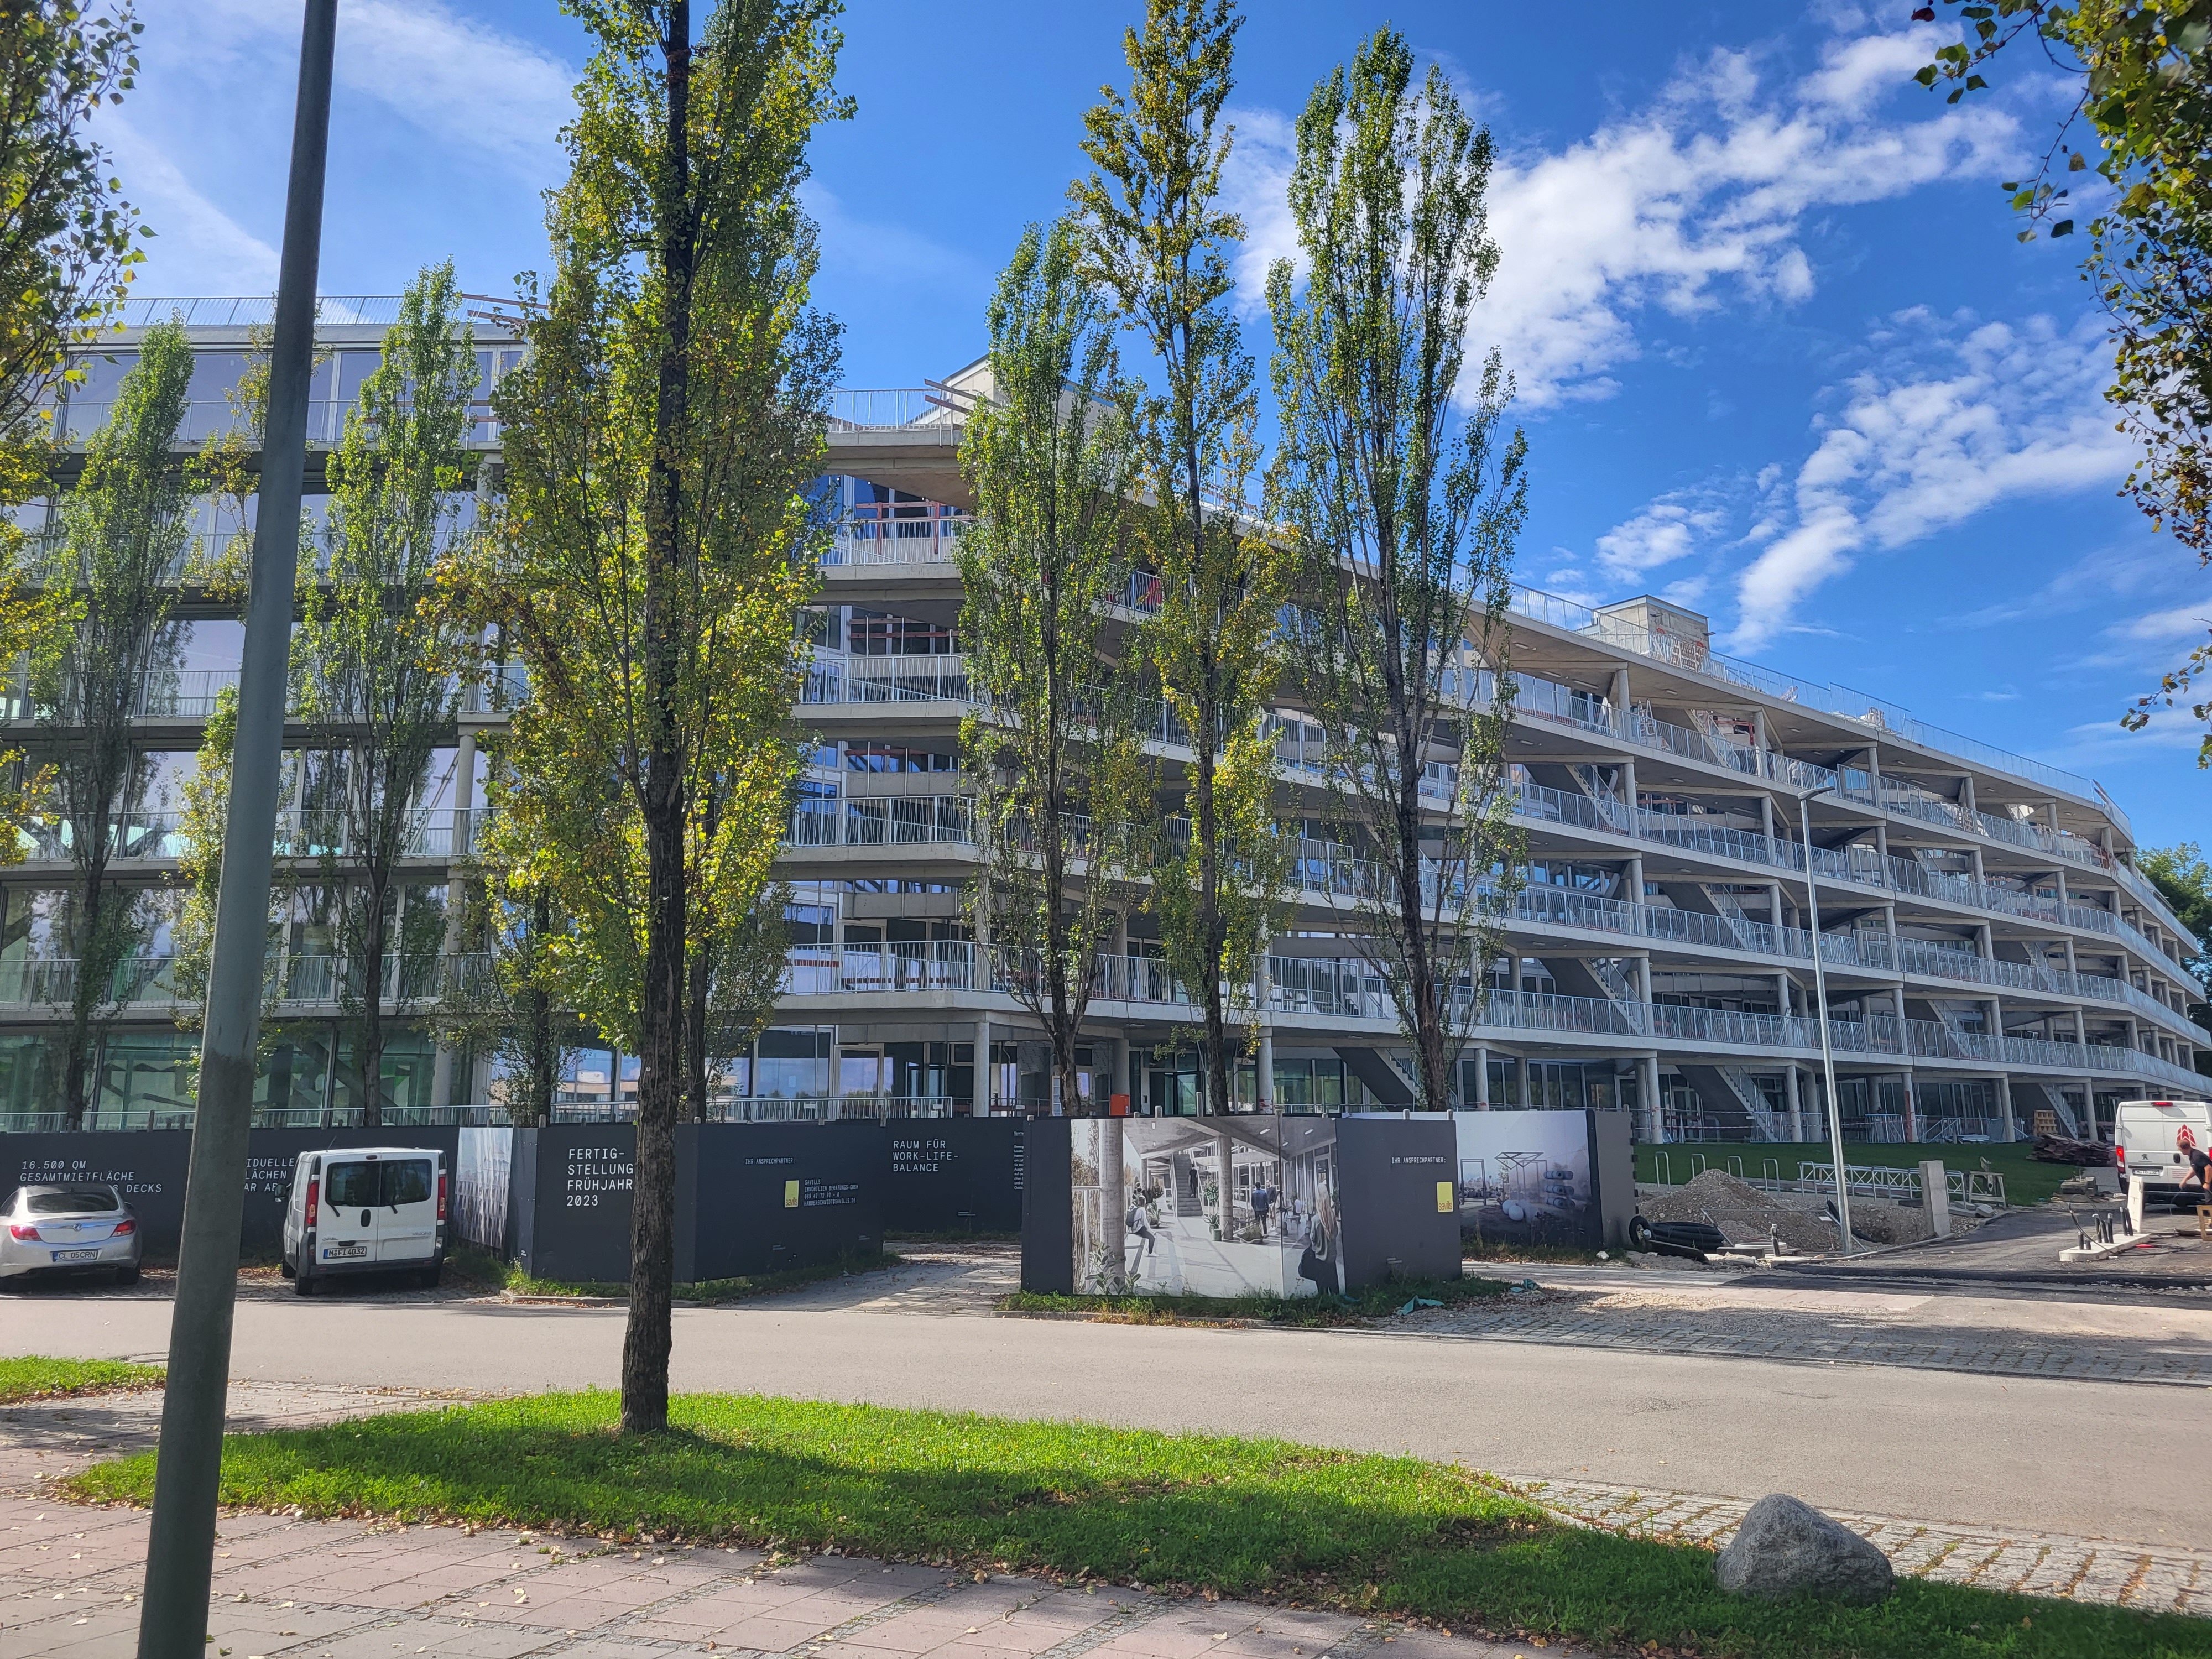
x: 180, y: 1543
x: 1804, y: 797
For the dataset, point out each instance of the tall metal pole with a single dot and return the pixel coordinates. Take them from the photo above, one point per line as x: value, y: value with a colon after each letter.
x: 1828, y: 1051
x: 180, y: 1549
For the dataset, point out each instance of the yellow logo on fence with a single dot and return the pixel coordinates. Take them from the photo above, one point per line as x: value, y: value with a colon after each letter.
x: 790, y: 1195
x: 1445, y: 1202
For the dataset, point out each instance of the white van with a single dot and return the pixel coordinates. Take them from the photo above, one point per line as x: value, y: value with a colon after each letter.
x: 366, y: 1209
x: 2146, y: 1142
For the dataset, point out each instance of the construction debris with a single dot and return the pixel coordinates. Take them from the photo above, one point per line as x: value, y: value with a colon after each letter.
x: 2056, y: 1149
x: 1743, y: 1213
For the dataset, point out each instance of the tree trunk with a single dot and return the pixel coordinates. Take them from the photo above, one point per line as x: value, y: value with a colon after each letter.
x: 647, y: 1342
x: 87, y: 994
x: 542, y: 1057
x: 369, y: 1051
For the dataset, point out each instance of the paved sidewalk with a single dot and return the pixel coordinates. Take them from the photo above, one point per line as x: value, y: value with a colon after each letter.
x: 325, y: 1590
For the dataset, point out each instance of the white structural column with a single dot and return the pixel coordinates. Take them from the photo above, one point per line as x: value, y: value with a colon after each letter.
x: 1796, y: 1104
x: 980, y: 1106
x: 1520, y: 1089
x: 1646, y: 1089
x: 1481, y: 1101
x: 2009, y: 1123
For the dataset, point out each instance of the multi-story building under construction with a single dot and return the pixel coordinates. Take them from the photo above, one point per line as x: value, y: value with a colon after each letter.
x: 1994, y: 959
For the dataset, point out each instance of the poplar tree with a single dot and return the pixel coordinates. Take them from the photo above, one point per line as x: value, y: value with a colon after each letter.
x: 111, y: 574
x: 659, y: 537
x: 1049, y: 749
x: 1157, y: 237
x: 1405, y: 510
x: 372, y: 658
x: 66, y: 259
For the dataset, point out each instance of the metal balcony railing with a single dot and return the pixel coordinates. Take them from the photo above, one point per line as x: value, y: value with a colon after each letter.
x: 1883, y: 719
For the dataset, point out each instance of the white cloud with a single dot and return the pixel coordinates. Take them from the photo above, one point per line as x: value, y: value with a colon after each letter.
x: 1954, y: 417
x: 1699, y: 201
x: 885, y: 251
x: 1254, y: 186
x: 1693, y: 203
x: 198, y: 248
x: 480, y: 91
x: 458, y: 80
x: 1670, y: 528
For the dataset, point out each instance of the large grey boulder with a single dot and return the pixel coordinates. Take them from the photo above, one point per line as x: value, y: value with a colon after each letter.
x: 1784, y: 1547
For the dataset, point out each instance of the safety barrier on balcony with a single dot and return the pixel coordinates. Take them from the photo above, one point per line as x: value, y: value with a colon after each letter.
x: 893, y: 540
x: 1881, y: 718
x: 50, y: 982
x: 1350, y: 989
x: 887, y: 679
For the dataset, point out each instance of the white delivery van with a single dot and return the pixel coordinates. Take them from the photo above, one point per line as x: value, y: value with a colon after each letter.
x: 2146, y: 1142
x: 366, y: 1209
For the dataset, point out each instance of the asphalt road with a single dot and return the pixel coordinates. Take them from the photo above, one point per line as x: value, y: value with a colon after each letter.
x: 2015, y: 1453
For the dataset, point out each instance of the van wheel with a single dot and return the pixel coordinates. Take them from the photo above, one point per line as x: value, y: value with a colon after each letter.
x: 431, y: 1275
x: 302, y: 1285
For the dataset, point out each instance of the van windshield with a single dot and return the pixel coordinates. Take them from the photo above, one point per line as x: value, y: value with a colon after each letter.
x: 349, y: 1186
x: 407, y: 1181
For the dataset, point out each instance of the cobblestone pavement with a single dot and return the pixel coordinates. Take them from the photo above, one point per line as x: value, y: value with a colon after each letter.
x: 2013, y: 1338
x: 2161, y: 1578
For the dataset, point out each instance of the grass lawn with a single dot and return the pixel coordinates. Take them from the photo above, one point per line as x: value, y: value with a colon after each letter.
x: 484, y: 1269
x: 1255, y: 1518
x: 2027, y: 1182
x: 1586, y: 1256
x: 1308, y: 1311
x: 35, y: 1377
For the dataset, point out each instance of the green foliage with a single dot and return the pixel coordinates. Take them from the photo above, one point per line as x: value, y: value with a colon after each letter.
x: 33, y: 1376
x: 1157, y: 237
x: 657, y: 537
x: 110, y: 580
x: 2143, y: 69
x: 372, y: 661
x: 2183, y: 879
x: 1051, y: 749
x: 1375, y: 1535
x: 65, y: 236
x: 1405, y: 532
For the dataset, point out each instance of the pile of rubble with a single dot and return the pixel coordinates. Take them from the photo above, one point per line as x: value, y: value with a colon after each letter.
x: 1744, y: 1213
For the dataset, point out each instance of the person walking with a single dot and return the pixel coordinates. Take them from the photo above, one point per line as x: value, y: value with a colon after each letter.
x: 1263, y: 1199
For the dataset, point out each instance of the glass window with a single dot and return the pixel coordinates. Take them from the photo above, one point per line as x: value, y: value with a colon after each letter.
x: 295, y: 1075
x: 72, y: 1200
x: 350, y: 1186
x: 407, y: 1181
x: 147, y: 1071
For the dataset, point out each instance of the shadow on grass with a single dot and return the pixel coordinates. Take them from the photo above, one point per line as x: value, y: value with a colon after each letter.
x: 1238, y: 1518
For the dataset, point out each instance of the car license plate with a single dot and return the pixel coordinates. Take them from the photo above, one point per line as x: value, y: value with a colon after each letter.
x: 338, y: 1252
x: 77, y: 1255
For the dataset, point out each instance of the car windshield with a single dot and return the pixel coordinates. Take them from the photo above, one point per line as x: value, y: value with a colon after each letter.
x: 72, y: 1200
x: 407, y: 1181
x: 348, y: 1185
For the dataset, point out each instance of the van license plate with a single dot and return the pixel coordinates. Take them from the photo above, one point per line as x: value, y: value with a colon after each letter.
x: 338, y: 1252
x: 77, y: 1255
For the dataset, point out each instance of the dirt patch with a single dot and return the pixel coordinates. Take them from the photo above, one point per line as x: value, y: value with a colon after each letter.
x: 1743, y: 1213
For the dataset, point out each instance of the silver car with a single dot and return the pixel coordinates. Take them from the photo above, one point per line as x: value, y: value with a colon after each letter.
x: 69, y: 1229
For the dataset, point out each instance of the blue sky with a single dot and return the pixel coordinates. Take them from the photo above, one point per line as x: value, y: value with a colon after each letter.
x: 1780, y: 356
